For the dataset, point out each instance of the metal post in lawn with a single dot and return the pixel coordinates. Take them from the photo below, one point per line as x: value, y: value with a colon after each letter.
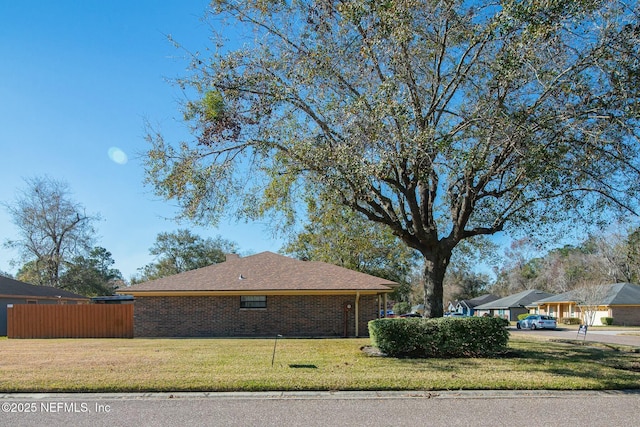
x: 273, y: 358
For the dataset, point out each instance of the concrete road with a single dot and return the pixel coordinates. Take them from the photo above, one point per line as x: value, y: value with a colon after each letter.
x: 626, y: 336
x: 530, y: 408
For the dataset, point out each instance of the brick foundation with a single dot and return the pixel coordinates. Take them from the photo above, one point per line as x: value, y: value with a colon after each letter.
x: 292, y: 316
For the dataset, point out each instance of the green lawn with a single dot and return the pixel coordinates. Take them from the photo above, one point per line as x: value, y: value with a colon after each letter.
x: 109, y: 365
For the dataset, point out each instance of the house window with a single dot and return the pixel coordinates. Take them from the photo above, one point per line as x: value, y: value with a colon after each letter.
x: 253, y: 301
x: 32, y: 301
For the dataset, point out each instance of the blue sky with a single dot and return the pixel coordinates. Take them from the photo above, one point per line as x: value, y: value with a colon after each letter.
x: 79, y: 78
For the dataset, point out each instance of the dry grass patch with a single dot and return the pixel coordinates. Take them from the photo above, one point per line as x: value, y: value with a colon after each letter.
x: 67, y: 365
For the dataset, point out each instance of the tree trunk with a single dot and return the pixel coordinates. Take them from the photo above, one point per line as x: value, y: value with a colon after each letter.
x: 435, y: 267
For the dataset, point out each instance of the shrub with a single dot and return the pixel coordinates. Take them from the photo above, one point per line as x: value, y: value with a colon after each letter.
x: 505, y: 322
x: 401, y: 308
x: 445, y: 337
x: 607, y: 321
x: 571, y: 321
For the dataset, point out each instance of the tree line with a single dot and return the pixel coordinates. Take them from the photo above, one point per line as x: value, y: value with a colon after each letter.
x: 65, y: 255
x: 598, y: 260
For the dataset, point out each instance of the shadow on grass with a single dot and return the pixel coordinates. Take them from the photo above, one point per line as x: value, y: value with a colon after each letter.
x: 577, y: 359
x: 611, y: 368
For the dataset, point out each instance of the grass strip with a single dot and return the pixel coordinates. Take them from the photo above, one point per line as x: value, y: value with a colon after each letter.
x: 135, y: 365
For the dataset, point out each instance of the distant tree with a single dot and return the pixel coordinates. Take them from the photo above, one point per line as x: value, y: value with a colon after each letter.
x: 340, y: 236
x: 401, y: 308
x: 633, y: 256
x: 92, y: 275
x: 462, y: 285
x: 53, y: 229
x: 32, y: 273
x: 442, y: 120
x: 181, y: 251
x: 599, y: 259
x: 589, y: 298
x: 520, y: 267
x: 618, y: 255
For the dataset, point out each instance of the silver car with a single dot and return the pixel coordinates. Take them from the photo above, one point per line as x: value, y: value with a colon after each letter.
x: 537, y: 321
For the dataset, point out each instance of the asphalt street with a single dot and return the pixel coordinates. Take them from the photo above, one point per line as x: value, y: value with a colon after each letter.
x: 451, y: 408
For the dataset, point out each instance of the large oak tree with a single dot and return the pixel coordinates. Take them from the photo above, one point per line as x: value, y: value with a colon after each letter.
x: 443, y: 120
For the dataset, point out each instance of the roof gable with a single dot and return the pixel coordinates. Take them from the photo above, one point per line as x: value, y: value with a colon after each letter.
x: 16, y: 288
x: 516, y: 300
x: 265, y: 271
x: 482, y: 299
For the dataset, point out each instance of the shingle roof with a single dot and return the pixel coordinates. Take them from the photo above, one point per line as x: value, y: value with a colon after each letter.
x: 616, y: 294
x: 482, y: 299
x: 265, y: 271
x: 15, y: 288
x: 517, y: 300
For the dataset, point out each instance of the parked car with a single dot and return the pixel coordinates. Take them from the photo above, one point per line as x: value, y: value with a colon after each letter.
x: 537, y: 321
x: 411, y: 315
x: 390, y: 313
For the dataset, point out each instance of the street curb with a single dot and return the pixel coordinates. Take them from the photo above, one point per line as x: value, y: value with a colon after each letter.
x: 322, y: 395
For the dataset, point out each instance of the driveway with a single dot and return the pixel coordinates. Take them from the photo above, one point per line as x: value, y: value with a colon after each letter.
x: 627, y: 336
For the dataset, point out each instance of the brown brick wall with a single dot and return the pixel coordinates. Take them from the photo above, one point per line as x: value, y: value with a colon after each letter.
x: 626, y: 316
x: 293, y: 316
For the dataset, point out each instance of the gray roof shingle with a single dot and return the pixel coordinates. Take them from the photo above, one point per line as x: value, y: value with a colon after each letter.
x: 616, y: 294
x: 474, y: 302
x: 517, y: 300
x: 15, y: 288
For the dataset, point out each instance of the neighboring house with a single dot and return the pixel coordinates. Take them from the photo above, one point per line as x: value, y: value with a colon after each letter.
x: 259, y: 295
x: 510, y: 307
x: 16, y: 292
x: 468, y: 306
x: 620, y: 301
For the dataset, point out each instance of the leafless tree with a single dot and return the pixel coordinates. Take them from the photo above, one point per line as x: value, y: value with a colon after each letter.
x: 52, y: 228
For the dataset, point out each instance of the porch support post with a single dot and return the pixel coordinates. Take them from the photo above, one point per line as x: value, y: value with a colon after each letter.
x: 357, y: 314
x: 384, y: 309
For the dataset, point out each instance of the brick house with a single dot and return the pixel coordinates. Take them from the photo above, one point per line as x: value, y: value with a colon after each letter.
x: 258, y: 296
x: 621, y: 301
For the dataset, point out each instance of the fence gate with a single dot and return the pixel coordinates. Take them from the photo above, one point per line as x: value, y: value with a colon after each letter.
x: 70, y: 321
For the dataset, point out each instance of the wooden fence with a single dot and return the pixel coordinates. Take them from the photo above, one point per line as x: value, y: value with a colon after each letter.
x: 70, y: 321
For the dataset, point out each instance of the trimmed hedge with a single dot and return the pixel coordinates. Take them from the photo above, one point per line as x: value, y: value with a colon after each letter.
x: 442, y: 338
x: 571, y: 321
